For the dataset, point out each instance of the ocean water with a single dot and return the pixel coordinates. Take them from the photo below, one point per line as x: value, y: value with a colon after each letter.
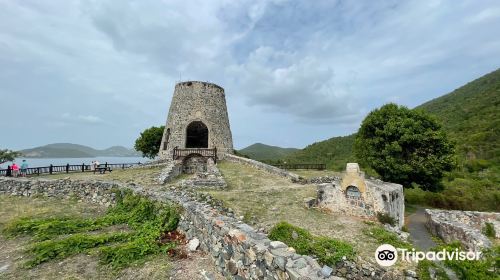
x: 38, y: 162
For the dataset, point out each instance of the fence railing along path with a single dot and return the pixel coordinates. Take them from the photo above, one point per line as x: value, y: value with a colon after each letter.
x: 53, y: 169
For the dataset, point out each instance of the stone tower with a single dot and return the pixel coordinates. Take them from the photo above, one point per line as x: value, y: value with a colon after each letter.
x: 197, y: 118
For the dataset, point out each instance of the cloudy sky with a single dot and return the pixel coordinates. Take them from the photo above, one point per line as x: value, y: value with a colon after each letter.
x: 295, y: 72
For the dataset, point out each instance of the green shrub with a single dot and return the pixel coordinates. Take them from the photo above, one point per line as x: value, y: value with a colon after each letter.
x: 489, y: 230
x: 384, y: 218
x: 148, y: 221
x: 284, y: 232
x: 328, y: 251
x: 423, y: 271
x: 488, y: 267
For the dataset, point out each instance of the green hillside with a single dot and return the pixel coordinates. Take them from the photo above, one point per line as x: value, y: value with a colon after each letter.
x: 261, y: 151
x: 471, y: 116
x: 68, y: 150
x: 335, y: 152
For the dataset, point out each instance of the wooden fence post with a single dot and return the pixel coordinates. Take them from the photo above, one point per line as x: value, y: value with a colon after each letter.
x: 67, y: 168
x: 50, y: 169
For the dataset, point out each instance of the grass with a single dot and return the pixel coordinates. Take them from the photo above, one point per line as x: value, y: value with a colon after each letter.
x: 63, y: 236
x: 141, y: 176
x: 382, y: 236
x: 78, y: 266
x: 328, y: 250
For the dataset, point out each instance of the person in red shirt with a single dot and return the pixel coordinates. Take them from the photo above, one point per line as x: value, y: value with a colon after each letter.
x: 15, y: 169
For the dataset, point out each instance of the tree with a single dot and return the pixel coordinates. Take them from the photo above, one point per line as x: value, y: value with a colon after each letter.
x: 8, y: 155
x: 149, y: 141
x: 405, y: 146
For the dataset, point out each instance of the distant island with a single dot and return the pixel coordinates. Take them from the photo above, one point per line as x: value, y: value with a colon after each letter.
x: 261, y: 151
x: 68, y: 150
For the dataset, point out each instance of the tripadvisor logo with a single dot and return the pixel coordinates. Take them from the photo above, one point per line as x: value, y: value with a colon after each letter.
x: 387, y: 255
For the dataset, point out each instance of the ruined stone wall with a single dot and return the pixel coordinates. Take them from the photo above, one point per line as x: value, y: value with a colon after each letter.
x: 85, y: 190
x: 262, y: 166
x: 238, y: 251
x: 197, y: 101
x: 463, y: 226
x: 372, y: 196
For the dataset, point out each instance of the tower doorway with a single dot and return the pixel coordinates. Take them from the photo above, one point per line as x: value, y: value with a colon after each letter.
x: 197, y: 135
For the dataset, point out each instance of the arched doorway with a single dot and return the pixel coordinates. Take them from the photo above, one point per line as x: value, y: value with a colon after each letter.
x: 197, y: 135
x: 353, y: 192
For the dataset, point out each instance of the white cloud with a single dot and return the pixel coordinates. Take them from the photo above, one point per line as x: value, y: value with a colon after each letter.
x: 316, y: 67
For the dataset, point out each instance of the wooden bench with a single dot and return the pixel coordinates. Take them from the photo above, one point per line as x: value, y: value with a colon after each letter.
x: 102, y: 170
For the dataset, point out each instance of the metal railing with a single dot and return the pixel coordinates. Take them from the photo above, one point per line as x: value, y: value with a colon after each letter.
x: 204, y: 152
x: 53, y: 169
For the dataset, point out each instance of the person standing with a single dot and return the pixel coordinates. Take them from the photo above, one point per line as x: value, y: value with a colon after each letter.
x: 15, y: 169
x: 24, y: 168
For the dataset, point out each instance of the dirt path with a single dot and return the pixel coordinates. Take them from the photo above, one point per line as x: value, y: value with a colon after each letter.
x: 421, y: 238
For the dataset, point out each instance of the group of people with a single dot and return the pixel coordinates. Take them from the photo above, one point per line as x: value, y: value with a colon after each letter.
x: 15, y: 170
x: 94, y: 164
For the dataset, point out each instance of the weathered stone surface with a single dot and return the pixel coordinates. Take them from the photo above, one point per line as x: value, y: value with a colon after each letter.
x: 465, y: 226
x: 353, y: 194
x: 197, y: 101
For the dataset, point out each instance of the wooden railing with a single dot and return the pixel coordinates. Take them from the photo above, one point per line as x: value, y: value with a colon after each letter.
x: 52, y: 169
x: 317, y: 166
x: 204, y: 152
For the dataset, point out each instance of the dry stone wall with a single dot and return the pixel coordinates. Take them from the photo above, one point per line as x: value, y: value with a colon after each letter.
x: 463, y: 226
x: 85, y: 190
x: 238, y: 250
x: 262, y: 166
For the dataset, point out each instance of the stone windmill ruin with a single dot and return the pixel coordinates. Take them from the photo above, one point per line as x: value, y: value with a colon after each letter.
x: 197, y: 130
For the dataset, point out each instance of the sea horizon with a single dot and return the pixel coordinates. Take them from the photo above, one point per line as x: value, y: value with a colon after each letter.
x: 39, y: 162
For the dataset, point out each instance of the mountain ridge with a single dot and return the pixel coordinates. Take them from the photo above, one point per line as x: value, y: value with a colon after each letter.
x: 70, y: 150
x: 260, y: 151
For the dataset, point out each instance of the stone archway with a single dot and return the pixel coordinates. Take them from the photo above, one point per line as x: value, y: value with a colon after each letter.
x: 197, y: 135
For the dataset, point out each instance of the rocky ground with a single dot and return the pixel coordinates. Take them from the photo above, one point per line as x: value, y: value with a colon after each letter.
x: 186, y: 266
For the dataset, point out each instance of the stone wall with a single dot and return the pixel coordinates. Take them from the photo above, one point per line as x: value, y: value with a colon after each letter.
x: 197, y: 101
x: 262, y: 166
x: 84, y: 190
x: 238, y: 251
x: 463, y: 226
